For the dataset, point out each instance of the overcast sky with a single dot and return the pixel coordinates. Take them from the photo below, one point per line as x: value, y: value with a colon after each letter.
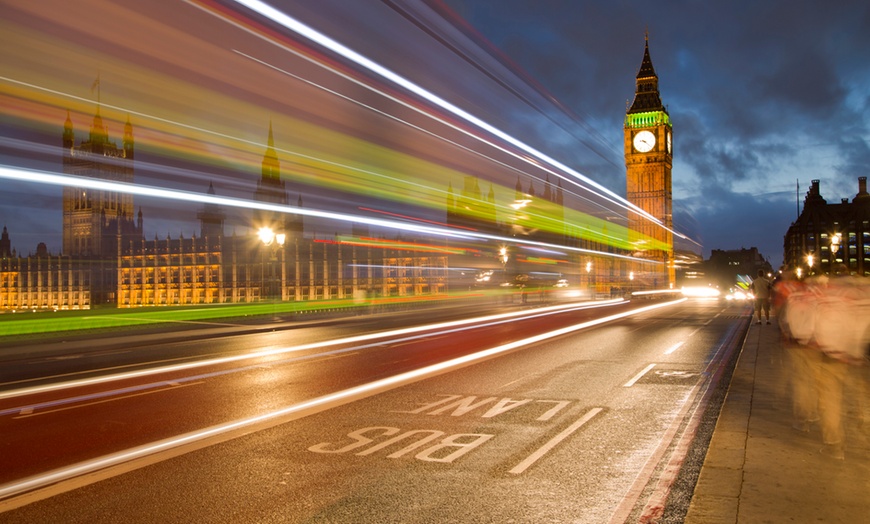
x: 763, y: 96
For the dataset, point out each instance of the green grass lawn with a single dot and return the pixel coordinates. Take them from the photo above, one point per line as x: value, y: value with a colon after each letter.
x: 46, y: 322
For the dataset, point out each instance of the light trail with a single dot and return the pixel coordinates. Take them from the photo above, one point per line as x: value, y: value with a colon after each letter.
x: 378, y: 111
x: 341, y: 166
x: 34, y: 175
x: 315, y: 36
x: 314, y: 345
x: 198, y: 439
x: 414, y: 108
x: 448, y: 328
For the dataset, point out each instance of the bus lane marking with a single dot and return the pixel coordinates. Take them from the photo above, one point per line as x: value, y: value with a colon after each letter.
x: 66, y: 478
x: 553, y: 442
x: 448, y: 449
x: 461, y: 405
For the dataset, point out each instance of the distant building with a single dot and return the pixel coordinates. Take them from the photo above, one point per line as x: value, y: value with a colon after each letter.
x: 689, y: 268
x: 826, y: 236
x: 724, y: 266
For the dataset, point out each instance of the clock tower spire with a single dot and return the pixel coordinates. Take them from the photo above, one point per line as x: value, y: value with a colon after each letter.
x: 648, y: 162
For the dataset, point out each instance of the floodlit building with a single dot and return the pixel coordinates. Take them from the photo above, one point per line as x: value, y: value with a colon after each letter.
x: 106, y: 259
x: 827, y: 236
x: 648, y: 149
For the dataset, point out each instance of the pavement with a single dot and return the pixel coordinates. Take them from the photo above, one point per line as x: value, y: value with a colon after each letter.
x: 760, y: 469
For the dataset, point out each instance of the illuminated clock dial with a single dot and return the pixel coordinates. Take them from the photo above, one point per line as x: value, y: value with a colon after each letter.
x: 644, y: 141
x: 669, y: 141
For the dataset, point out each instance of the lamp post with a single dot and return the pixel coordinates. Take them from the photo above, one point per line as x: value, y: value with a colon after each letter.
x: 503, y: 258
x: 630, y: 282
x: 275, y: 241
x: 589, y: 277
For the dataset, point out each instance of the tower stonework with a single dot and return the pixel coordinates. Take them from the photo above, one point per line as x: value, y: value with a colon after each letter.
x: 271, y: 190
x: 648, y: 160
x: 92, y: 218
x: 96, y: 223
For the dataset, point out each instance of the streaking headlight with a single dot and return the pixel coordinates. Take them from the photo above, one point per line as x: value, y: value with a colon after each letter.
x: 700, y: 292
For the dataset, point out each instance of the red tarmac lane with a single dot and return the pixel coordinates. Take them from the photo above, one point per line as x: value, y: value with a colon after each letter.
x: 44, y: 431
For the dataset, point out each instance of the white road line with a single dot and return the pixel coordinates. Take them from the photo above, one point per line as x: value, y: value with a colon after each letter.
x: 689, y: 409
x: 638, y: 376
x: 553, y: 442
x: 674, y: 347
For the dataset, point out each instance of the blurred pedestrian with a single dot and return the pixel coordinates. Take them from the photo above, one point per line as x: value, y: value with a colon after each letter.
x: 830, y: 321
x: 790, y: 292
x: 761, y: 290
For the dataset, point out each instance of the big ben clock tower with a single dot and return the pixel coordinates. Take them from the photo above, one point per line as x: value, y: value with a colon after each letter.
x: 648, y: 161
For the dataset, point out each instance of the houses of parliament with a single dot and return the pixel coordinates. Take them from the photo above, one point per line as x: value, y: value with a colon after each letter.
x: 106, y: 260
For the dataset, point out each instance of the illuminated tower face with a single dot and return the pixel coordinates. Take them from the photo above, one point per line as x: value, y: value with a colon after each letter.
x: 648, y: 161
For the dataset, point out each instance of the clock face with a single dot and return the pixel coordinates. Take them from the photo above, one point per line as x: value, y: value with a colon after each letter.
x: 669, y: 141
x: 644, y: 141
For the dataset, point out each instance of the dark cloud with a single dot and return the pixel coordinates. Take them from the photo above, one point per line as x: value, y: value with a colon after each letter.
x: 762, y: 96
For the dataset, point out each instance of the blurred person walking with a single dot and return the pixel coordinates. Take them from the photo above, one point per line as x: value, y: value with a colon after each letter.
x: 761, y: 289
x: 842, y: 332
x: 831, y: 321
x: 792, y: 303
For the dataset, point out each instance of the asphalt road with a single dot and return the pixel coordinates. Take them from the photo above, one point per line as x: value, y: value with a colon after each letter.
x: 544, y: 416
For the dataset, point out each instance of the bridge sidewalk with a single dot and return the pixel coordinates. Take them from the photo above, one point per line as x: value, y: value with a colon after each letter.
x: 759, y: 468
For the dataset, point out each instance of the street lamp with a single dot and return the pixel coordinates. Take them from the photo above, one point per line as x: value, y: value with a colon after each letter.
x: 589, y: 277
x: 631, y: 282
x: 268, y: 236
x: 503, y: 257
x: 275, y: 241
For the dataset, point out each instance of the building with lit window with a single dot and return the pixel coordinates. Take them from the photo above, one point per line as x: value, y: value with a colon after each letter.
x: 42, y: 280
x: 726, y: 267
x: 106, y: 259
x: 826, y: 237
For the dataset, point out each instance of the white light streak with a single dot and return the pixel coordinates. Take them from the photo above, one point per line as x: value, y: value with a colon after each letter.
x: 315, y: 36
x: 283, y: 350
x: 295, y: 411
x: 45, y: 177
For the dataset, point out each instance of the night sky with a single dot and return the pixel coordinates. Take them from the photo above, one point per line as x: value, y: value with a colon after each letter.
x: 763, y: 96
